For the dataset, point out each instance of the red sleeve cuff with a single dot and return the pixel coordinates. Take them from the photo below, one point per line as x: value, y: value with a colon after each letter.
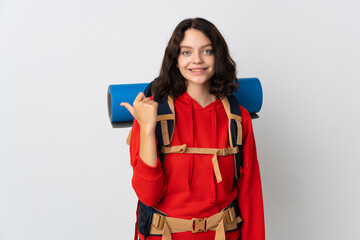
x: 148, y: 172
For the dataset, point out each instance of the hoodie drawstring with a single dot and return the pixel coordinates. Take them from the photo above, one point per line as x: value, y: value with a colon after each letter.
x: 191, y: 156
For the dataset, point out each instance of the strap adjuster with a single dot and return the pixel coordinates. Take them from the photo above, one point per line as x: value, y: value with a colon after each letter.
x: 159, y: 221
x: 229, y: 215
x: 198, y: 225
x: 222, y: 152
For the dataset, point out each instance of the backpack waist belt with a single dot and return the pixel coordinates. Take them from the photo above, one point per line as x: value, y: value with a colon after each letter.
x: 216, y: 151
x: 225, y: 220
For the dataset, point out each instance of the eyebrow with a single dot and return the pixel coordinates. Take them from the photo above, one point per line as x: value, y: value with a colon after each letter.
x: 207, y: 45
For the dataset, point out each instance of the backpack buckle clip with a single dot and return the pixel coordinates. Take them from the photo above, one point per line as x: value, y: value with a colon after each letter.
x: 198, y: 225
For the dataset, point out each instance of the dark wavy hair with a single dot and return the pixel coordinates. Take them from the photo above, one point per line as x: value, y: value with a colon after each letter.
x: 171, y: 82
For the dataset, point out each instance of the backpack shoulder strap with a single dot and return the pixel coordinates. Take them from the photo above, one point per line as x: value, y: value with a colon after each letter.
x: 147, y: 90
x: 232, y: 109
x: 165, y: 124
x: 147, y: 93
x: 165, y: 120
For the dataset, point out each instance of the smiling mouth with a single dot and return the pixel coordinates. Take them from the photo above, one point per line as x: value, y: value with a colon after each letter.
x: 197, y: 69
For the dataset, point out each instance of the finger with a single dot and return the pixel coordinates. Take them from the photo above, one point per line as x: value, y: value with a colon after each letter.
x: 128, y: 107
x: 155, y: 104
x: 146, y: 100
x: 151, y: 102
x: 139, y: 97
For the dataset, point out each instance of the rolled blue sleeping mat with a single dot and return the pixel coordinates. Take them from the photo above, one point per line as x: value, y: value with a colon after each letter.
x: 249, y: 95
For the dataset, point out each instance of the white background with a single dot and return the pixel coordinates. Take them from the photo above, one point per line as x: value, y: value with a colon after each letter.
x: 65, y: 172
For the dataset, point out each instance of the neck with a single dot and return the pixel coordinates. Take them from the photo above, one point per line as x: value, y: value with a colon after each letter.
x: 201, y: 94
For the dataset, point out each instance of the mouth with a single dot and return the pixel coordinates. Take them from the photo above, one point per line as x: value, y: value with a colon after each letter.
x: 197, y: 69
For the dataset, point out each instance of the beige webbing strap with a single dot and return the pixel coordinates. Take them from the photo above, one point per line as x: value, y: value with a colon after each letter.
x: 167, y: 232
x: 239, y: 127
x: 165, y: 117
x: 220, y: 231
x: 236, y: 117
x: 171, y: 104
x: 238, y: 120
x: 216, y: 151
x: 165, y: 132
x: 219, y: 222
x: 170, y: 116
x: 216, y: 168
x: 226, y: 104
x: 163, y: 121
x: 184, y: 149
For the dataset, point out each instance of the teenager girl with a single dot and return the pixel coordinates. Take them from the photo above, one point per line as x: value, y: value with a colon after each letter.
x: 193, y: 194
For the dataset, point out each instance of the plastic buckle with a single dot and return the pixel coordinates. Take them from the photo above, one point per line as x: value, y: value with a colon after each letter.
x: 229, y: 215
x: 199, y: 225
x: 222, y: 152
x: 160, y: 222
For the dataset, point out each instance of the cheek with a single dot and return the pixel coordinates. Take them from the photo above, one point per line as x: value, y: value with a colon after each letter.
x: 182, y: 71
x: 181, y: 67
x: 181, y: 63
x: 184, y: 61
x: 212, y: 61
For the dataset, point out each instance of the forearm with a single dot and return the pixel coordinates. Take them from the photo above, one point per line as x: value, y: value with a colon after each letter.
x: 148, y: 151
x: 148, y: 181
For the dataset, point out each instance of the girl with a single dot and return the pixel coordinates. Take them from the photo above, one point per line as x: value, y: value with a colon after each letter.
x: 193, y: 193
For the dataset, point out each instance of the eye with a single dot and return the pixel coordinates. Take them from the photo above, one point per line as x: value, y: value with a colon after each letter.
x: 185, y: 52
x: 208, y: 51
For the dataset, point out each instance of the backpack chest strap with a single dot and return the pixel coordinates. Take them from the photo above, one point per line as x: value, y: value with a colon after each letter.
x: 215, y: 151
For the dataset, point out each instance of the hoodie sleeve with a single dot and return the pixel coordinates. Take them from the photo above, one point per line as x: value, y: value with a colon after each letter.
x: 148, y: 182
x: 249, y: 185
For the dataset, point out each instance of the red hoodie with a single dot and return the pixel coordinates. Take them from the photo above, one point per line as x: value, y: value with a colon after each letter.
x: 184, y: 186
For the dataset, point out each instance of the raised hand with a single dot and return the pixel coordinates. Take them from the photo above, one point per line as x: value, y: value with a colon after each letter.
x: 144, y: 110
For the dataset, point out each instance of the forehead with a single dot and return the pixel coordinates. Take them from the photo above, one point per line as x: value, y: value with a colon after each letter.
x: 194, y: 38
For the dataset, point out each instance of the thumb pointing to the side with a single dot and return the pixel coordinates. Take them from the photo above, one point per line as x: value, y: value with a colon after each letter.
x: 128, y: 107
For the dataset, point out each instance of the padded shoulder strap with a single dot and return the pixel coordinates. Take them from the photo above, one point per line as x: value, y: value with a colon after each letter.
x: 232, y: 109
x: 165, y: 124
x: 165, y: 120
x: 147, y: 90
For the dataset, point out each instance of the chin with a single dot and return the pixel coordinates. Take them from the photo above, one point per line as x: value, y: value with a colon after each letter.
x: 198, y: 81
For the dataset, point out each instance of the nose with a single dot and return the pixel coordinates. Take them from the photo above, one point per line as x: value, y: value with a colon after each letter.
x: 197, y: 58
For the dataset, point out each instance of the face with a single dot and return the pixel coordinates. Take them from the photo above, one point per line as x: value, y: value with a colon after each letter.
x: 196, y: 60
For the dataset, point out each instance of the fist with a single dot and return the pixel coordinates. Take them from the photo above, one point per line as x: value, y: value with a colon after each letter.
x: 144, y: 110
